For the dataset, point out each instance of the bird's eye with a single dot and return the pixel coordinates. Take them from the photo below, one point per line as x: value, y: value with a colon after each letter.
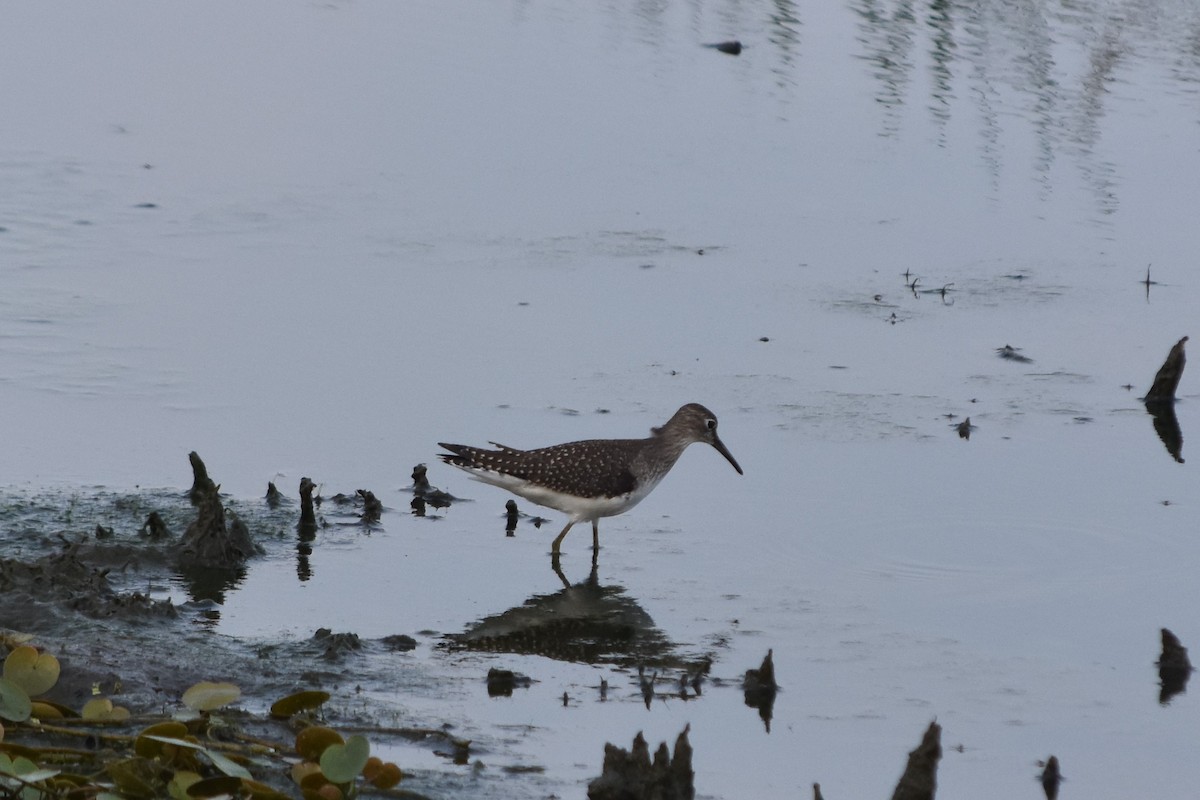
x: 711, y: 424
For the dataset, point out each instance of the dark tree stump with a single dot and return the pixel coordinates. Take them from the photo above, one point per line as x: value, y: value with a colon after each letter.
x: 202, y: 485
x: 1166, y: 381
x: 630, y: 775
x: 919, y: 781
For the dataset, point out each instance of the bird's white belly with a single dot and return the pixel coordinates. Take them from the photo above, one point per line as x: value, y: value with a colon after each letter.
x: 578, y: 508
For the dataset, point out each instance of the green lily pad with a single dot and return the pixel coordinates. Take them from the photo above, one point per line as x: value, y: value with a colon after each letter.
x: 341, y: 763
x: 14, y: 703
x: 285, y: 707
x: 36, y: 673
x: 205, y: 696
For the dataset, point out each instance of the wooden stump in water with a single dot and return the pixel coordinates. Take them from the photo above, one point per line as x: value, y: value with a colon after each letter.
x: 1166, y: 381
x: 202, y: 485
x: 1174, y: 667
x: 919, y: 781
x: 630, y: 775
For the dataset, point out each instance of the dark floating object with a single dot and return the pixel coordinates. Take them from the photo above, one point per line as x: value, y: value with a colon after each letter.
x: 1160, y: 400
x: 759, y: 689
x: 1051, y: 778
x: 964, y: 429
x: 273, y: 496
x: 919, y: 781
x: 501, y: 682
x: 732, y: 47
x: 817, y: 792
x: 1174, y: 667
x: 1013, y: 354
x: 1166, y: 380
x: 629, y: 774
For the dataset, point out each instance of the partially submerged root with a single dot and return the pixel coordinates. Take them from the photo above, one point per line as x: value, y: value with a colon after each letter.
x: 630, y: 775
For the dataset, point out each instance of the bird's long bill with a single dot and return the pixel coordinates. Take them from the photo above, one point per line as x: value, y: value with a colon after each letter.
x: 723, y: 450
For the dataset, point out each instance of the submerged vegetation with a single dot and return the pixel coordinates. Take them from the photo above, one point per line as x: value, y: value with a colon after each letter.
x: 201, y: 748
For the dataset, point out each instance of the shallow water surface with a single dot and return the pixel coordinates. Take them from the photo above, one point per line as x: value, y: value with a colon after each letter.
x: 314, y: 240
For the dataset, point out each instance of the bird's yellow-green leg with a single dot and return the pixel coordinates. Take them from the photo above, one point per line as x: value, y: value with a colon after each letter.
x: 558, y: 539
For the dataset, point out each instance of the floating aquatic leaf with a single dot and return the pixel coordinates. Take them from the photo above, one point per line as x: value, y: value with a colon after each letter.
x: 36, y: 673
x: 44, y: 709
x: 205, y: 696
x: 180, y: 782
x: 311, y: 742
x: 101, y: 708
x: 223, y: 763
x: 221, y: 785
x: 300, y: 701
x: 312, y: 782
x: 388, y: 776
x: 14, y: 703
x: 147, y: 745
x: 341, y: 763
x: 302, y: 769
x: 137, y: 777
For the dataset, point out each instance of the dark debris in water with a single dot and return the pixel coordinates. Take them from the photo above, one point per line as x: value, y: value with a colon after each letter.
x: 1010, y: 353
x: 501, y: 682
x: 731, y: 47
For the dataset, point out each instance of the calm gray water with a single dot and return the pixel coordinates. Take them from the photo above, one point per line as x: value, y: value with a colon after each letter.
x: 315, y: 239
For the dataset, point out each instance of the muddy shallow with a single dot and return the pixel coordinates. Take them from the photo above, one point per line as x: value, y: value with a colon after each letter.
x: 396, y: 226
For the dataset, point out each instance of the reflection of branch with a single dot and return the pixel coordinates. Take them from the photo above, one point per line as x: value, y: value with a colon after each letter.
x: 1166, y: 425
